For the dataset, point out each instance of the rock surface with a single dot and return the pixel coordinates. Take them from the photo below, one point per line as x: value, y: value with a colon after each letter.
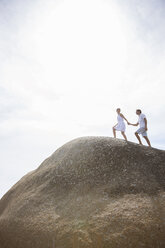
x: 93, y: 192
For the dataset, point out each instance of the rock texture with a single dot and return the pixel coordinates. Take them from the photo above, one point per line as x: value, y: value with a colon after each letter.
x: 93, y: 192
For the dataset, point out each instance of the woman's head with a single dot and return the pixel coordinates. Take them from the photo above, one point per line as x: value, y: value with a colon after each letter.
x: 118, y: 110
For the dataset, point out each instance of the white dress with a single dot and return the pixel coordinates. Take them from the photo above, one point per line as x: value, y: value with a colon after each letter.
x: 120, y: 125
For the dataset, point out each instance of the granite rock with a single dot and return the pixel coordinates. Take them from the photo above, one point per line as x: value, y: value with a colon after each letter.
x: 93, y: 192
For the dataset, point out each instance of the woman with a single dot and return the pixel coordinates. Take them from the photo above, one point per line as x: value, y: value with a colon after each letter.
x: 120, y: 126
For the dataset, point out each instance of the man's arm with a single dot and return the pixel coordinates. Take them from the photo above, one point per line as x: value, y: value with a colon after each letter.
x: 133, y: 124
x: 145, y: 120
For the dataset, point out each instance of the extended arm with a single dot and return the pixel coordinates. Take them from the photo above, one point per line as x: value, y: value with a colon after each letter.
x: 124, y: 117
x: 134, y: 124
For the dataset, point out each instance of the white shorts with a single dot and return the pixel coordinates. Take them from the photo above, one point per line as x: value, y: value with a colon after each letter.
x: 142, y: 131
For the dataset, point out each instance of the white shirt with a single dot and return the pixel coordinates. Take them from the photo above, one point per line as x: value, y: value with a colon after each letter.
x: 141, y: 120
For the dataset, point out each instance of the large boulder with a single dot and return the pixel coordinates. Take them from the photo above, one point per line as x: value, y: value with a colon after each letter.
x: 93, y: 192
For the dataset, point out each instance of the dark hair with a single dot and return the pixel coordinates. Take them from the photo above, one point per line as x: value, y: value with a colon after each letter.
x: 139, y: 110
x: 118, y: 109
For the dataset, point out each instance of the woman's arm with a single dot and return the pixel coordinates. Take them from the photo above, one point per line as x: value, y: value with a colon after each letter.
x: 124, y: 117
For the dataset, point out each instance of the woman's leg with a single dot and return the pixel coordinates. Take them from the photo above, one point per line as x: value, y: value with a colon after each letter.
x: 125, y: 137
x: 114, y: 132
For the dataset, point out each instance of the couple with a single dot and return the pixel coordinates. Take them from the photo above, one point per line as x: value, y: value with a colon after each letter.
x: 142, y: 121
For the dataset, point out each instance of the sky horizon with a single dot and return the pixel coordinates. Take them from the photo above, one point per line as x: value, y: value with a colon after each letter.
x: 66, y: 66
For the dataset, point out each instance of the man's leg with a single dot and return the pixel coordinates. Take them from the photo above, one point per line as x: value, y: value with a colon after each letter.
x: 114, y: 132
x: 148, y: 142
x: 138, y: 137
x: 124, y: 135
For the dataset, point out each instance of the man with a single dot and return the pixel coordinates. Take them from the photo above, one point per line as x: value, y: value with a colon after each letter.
x: 142, y: 121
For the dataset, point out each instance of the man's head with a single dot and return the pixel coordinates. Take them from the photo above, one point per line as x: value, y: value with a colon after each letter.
x: 138, y: 111
x: 118, y: 110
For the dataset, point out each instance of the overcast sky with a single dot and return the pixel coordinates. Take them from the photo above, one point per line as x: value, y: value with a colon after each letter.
x: 66, y: 65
